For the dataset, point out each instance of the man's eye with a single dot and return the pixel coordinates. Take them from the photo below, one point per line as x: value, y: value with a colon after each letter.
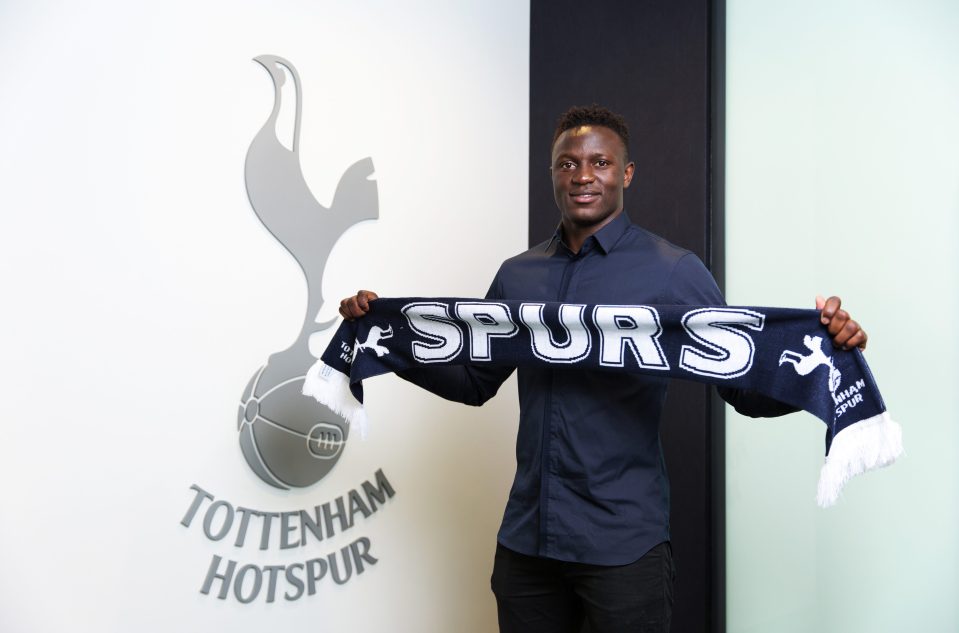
x: 566, y: 165
x: 602, y: 163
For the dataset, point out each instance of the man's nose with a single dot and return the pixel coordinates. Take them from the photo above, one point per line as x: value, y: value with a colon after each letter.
x: 584, y: 175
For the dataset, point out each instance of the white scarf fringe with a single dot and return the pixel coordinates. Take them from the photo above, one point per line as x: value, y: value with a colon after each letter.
x: 873, y: 443
x: 332, y: 388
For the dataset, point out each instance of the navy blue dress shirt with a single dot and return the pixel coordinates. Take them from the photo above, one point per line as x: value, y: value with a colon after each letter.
x: 591, y: 484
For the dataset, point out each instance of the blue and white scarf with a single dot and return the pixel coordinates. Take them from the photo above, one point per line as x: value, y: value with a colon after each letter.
x: 783, y: 353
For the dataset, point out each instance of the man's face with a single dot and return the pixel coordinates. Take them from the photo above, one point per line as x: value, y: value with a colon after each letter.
x: 589, y: 171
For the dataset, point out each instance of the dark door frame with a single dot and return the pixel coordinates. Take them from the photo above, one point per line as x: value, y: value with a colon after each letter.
x: 662, y: 65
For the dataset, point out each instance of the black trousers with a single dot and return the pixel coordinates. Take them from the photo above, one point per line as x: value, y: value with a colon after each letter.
x: 542, y: 595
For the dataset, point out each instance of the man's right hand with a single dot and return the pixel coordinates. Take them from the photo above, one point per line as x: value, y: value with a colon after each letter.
x: 358, y: 305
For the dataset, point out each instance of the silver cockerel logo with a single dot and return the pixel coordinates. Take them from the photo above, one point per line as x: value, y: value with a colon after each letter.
x: 290, y: 440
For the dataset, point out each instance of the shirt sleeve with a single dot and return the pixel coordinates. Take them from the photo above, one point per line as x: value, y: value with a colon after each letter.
x: 468, y: 384
x: 692, y: 284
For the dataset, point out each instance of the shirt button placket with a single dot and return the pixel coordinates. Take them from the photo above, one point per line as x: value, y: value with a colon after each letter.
x: 549, y: 457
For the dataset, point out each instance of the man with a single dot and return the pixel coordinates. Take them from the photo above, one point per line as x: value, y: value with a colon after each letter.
x: 585, y: 534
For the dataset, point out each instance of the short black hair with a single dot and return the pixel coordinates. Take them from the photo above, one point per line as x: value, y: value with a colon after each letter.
x: 593, y: 115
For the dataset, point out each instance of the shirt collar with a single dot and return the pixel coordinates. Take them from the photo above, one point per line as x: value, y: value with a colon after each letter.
x: 605, y: 238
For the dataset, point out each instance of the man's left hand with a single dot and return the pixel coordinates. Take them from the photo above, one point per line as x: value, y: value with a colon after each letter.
x: 845, y: 332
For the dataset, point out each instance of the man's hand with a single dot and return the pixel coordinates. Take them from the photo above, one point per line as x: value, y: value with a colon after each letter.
x: 358, y: 305
x: 845, y: 332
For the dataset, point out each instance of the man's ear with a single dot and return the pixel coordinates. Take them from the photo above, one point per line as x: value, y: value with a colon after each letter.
x: 628, y: 176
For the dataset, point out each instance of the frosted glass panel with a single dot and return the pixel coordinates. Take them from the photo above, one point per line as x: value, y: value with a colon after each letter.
x: 843, y: 178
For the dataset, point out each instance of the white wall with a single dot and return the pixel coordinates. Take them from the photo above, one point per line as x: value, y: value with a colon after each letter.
x: 843, y: 178
x: 141, y: 293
